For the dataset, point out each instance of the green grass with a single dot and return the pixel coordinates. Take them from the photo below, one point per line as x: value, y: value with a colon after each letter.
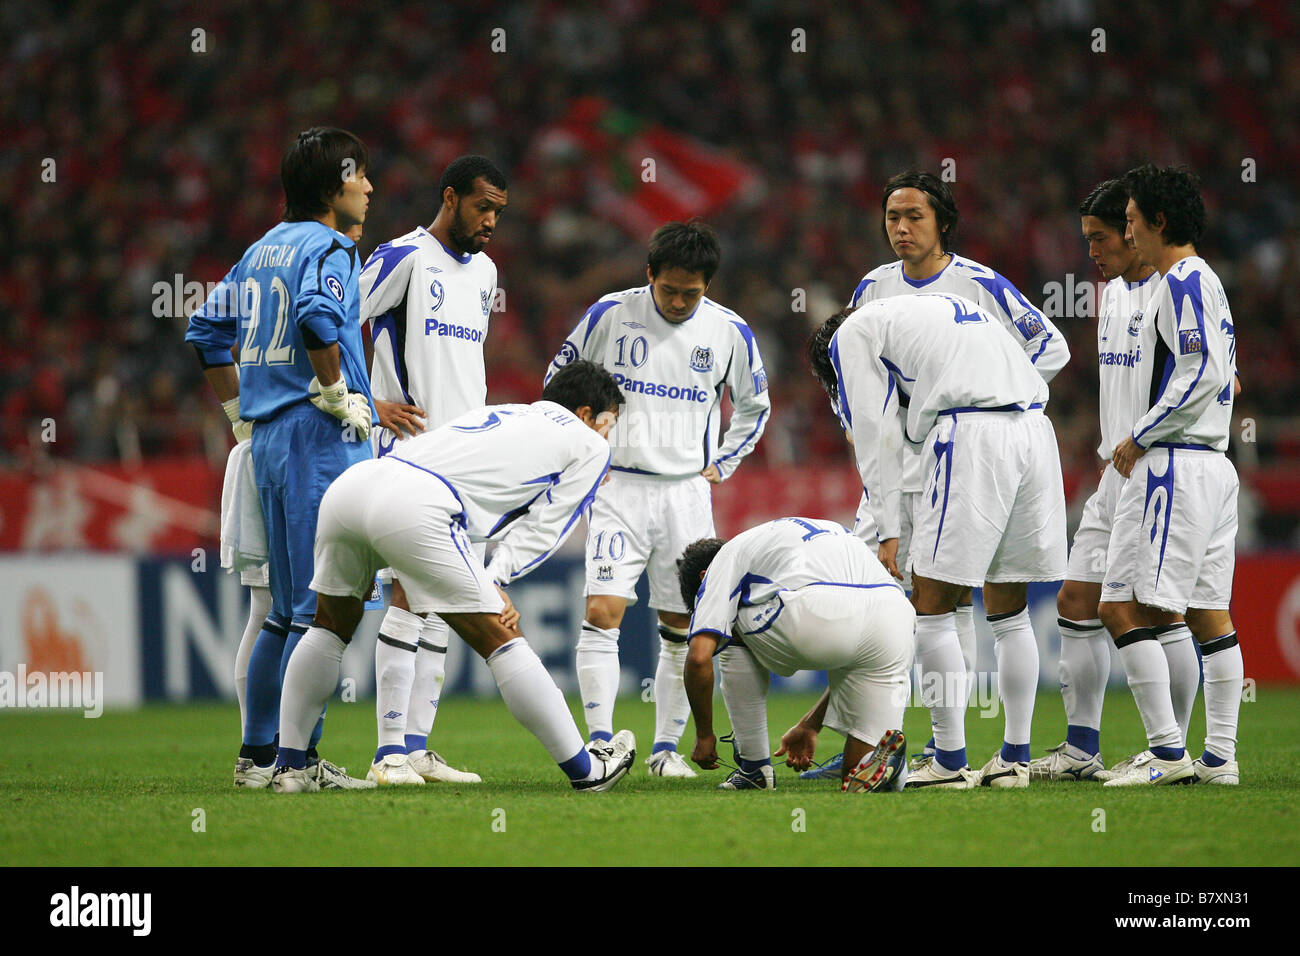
x: 122, y: 790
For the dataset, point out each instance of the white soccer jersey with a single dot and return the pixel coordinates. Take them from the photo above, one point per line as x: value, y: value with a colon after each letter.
x: 1195, y: 356
x: 1126, y: 339
x: 746, y: 577
x: 428, y: 310
x: 672, y: 375
x: 929, y: 354
x: 523, y: 472
x: 1041, y: 340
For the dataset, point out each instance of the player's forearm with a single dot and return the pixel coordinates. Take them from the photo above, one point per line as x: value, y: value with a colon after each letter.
x: 814, y: 719
x: 224, y: 380
x: 698, y: 678
x: 325, y: 363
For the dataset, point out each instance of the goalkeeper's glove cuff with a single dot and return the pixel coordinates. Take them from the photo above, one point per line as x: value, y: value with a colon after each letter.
x: 243, y: 429
x: 331, y: 399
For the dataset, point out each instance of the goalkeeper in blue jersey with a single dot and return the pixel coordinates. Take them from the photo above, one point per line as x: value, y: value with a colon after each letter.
x: 301, y: 388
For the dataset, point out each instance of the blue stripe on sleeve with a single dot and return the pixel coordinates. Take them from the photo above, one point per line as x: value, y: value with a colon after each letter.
x: 1179, y: 289
x: 594, y: 315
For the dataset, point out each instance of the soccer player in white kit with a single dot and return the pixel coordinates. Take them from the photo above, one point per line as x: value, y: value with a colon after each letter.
x: 789, y: 595
x: 919, y: 221
x: 992, y: 512
x: 1173, y: 542
x: 1125, y: 346
x: 524, y: 474
x: 672, y: 351
x: 427, y: 296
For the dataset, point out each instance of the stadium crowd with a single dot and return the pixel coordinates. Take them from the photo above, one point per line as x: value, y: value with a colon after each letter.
x: 143, y: 147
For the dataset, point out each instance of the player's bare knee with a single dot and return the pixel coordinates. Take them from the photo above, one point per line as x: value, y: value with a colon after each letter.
x: 1078, y: 601
x: 934, y: 597
x: 605, y: 611
x: 1005, y: 597
x: 341, y: 615
x: 1118, y: 617
x: 484, y: 633
x: 674, y: 619
x: 1207, y: 624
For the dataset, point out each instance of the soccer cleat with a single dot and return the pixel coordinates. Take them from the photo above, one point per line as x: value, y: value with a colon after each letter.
x: 830, y: 770
x: 615, y: 758
x: 431, y: 766
x: 1149, y: 770
x: 250, y: 776
x: 393, y: 770
x: 933, y: 774
x: 1225, y: 775
x: 669, y: 763
x: 923, y: 759
x: 882, y: 769
x: 761, y: 779
x: 291, y: 780
x: 1005, y: 776
x: 1120, y: 768
x: 332, y: 777
x: 1059, y: 765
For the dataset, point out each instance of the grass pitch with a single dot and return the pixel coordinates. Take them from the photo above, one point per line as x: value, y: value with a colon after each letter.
x: 153, y: 787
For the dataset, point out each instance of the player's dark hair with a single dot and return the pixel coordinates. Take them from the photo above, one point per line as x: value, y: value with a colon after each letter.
x: 1107, y: 202
x: 819, y: 353
x: 941, y: 201
x: 462, y: 172
x: 691, y: 246
x: 695, y: 559
x: 1175, y: 192
x: 583, y: 383
x: 315, y: 168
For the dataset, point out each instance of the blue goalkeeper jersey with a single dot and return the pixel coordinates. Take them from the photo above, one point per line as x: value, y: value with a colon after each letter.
x: 295, y: 288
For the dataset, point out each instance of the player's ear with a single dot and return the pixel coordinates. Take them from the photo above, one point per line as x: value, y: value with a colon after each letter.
x: 649, y: 274
x: 584, y: 412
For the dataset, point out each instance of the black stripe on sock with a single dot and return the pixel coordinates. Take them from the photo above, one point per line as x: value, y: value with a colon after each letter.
x: 299, y: 628
x: 1067, y: 625
x: 1166, y: 628
x: 1135, y: 635
x: 1219, y: 644
x: 394, y: 642
x: 279, y: 630
x: 992, y: 618
x: 425, y: 645
x: 671, y: 637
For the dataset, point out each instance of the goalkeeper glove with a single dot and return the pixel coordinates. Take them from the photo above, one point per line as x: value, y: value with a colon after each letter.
x: 348, y: 407
x: 243, y: 429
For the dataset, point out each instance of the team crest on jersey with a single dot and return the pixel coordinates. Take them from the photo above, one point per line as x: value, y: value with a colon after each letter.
x: 1189, y: 341
x: 1135, y: 323
x: 568, y: 353
x: 438, y: 294
x: 702, y: 359
x: 760, y: 382
x: 335, y: 287
x: 605, y: 572
x: 485, y: 299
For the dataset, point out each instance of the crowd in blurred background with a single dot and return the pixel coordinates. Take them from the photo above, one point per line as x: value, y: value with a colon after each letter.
x: 165, y: 124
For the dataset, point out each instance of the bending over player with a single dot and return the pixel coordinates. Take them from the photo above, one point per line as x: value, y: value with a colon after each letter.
x: 789, y: 595
x: 528, y: 472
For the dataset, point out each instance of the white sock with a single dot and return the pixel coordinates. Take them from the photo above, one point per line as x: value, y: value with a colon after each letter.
x: 744, y: 692
x: 672, y: 706
x: 1085, y: 668
x: 394, y: 673
x: 1017, y: 656
x: 533, y: 699
x: 964, y: 619
x: 598, y: 676
x: 1224, y: 673
x: 310, y: 678
x: 1148, y: 678
x: 430, y: 672
x: 943, y: 678
x: 259, y: 607
x: 1184, y: 671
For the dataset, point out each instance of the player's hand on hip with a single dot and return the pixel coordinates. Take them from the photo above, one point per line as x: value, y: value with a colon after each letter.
x: 712, y: 474
x: 798, y: 744
x: 1126, y: 455
x: 705, y: 751
x: 509, y: 614
x: 399, y: 418
x: 888, y: 555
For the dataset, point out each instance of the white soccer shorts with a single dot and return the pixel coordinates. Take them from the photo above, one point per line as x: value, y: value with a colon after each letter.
x: 1173, y: 545
x: 640, y: 524
x: 861, y: 636
x: 993, y: 508
x: 386, y: 513
x: 1092, y: 537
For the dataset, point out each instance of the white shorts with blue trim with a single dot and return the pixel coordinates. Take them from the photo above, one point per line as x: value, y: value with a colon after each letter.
x: 1173, y: 545
x: 993, y: 508
x: 642, y: 523
x: 862, y: 636
x: 1092, y: 537
x: 387, y: 513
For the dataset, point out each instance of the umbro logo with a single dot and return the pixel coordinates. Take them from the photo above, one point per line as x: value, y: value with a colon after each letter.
x: 392, y: 715
x: 592, y: 705
x: 634, y: 325
x: 434, y: 269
